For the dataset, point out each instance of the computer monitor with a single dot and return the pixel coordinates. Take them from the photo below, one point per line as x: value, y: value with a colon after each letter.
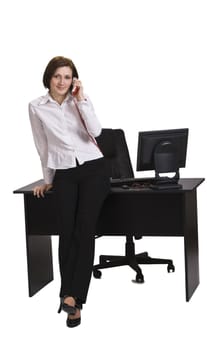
x: 163, y: 151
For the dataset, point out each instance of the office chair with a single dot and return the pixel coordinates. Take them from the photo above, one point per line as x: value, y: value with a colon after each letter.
x: 113, y: 144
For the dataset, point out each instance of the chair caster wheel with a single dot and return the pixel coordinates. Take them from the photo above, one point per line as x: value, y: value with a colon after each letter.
x: 139, y: 279
x: 97, y: 273
x: 170, y: 268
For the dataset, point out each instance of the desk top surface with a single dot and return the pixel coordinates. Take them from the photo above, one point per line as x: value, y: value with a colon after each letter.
x: 132, y: 185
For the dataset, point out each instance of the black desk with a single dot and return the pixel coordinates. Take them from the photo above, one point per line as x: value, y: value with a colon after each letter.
x: 145, y: 211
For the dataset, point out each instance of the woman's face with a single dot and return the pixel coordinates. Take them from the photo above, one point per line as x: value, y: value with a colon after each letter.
x: 61, y: 82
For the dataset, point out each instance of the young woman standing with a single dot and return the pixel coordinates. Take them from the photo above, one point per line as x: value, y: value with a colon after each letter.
x: 64, y: 126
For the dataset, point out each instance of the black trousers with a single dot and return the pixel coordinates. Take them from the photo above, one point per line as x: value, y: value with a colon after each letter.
x: 80, y: 193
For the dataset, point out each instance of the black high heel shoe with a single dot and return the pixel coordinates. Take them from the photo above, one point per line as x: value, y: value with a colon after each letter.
x: 71, y: 310
x: 74, y: 322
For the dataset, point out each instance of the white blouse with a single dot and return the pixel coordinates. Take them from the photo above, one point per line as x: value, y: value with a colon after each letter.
x: 60, y: 135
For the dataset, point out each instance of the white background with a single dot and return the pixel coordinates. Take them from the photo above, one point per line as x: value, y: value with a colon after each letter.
x: 143, y: 64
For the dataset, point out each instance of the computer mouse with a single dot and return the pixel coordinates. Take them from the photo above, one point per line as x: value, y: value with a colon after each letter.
x: 125, y: 187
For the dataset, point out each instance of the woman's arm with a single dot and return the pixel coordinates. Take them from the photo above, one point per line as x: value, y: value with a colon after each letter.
x: 86, y: 109
x: 40, y: 141
x: 89, y: 116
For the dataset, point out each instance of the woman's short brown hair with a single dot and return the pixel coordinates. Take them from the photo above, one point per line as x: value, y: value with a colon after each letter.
x: 56, y: 62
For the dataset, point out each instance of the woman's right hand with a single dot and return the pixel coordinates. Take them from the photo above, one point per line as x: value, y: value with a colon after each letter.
x: 40, y: 190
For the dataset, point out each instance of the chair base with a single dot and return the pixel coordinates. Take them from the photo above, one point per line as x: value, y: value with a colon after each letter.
x: 131, y: 259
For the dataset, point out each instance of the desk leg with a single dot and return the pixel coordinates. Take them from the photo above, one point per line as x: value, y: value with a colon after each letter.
x: 191, y: 244
x: 39, y: 262
x: 39, y: 254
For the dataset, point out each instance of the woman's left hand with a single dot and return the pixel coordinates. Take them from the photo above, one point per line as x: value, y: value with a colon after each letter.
x: 40, y: 190
x: 79, y: 94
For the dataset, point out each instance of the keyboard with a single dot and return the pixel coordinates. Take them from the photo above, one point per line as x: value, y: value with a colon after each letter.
x: 131, y: 183
x: 139, y: 184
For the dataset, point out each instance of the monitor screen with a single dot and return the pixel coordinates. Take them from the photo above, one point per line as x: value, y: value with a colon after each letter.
x: 162, y: 143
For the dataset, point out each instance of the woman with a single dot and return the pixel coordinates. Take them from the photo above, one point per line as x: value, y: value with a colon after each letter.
x: 64, y: 127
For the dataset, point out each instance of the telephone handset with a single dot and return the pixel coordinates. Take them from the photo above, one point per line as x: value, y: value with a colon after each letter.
x: 75, y: 90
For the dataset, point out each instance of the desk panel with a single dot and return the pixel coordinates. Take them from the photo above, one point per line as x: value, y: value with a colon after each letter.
x: 41, y: 215
x: 149, y: 215
x: 144, y: 213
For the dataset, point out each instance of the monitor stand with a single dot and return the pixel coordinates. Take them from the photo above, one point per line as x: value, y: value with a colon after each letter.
x: 166, y: 161
x: 166, y: 186
x: 165, y: 183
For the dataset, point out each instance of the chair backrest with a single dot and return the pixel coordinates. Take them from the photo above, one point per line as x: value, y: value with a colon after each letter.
x: 113, y: 144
